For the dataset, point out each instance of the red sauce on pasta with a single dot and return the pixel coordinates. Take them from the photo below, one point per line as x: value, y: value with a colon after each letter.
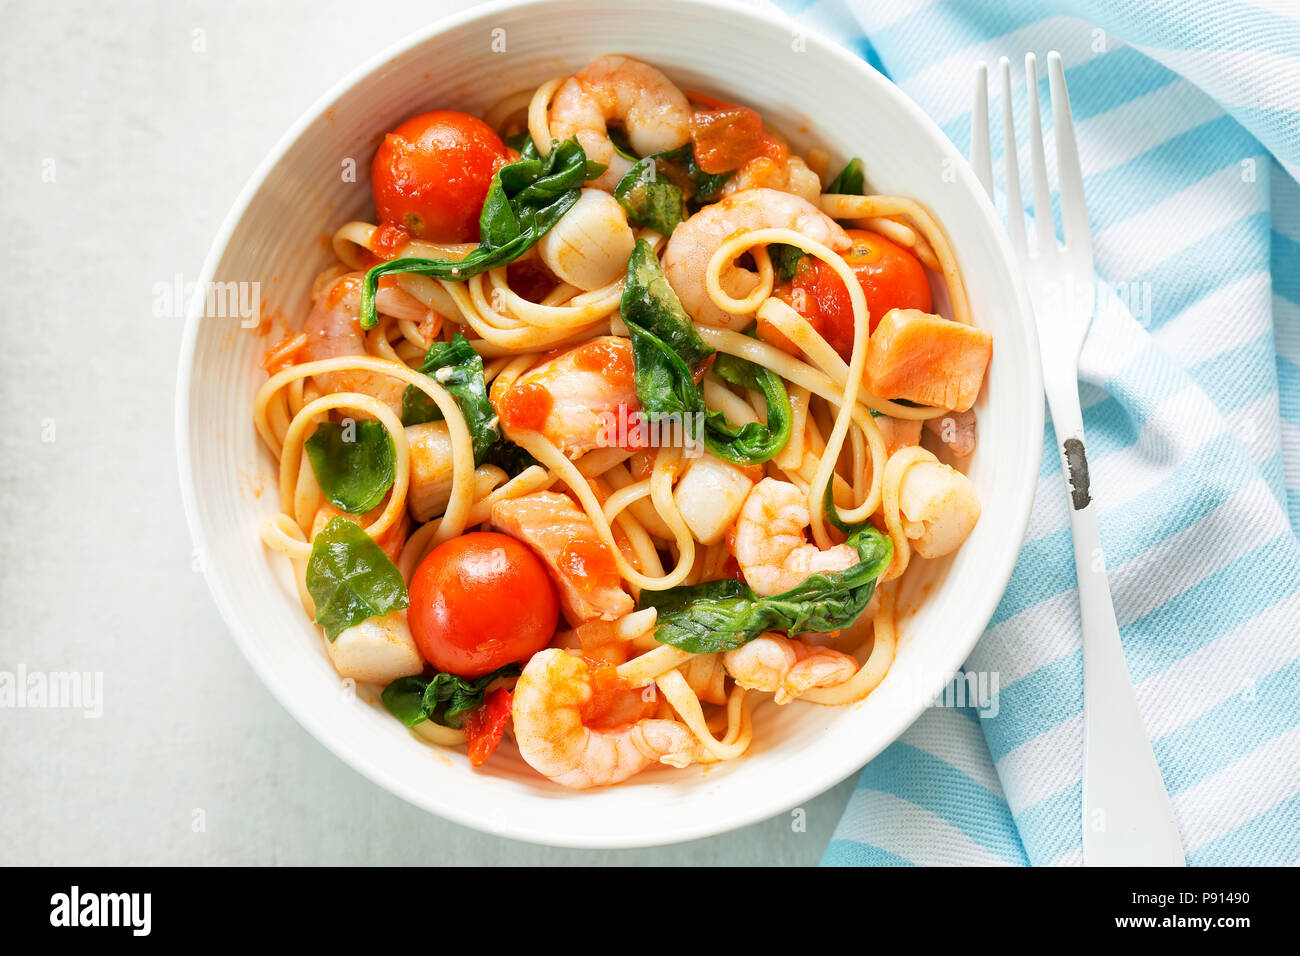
x: 388, y: 240
x: 611, y: 357
x: 525, y: 406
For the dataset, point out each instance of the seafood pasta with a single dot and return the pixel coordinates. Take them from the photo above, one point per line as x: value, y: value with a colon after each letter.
x: 621, y: 421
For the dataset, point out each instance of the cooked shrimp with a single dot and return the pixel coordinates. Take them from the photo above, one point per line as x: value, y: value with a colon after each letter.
x: 938, y: 505
x: 653, y: 112
x: 769, y: 543
x: 580, y: 563
x: 550, y: 715
x: 574, y: 398
x: 792, y: 176
x: 786, y: 667
x: 694, y: 242
x: 333, y: 330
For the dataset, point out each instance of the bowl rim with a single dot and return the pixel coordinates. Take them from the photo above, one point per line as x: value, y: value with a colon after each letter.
x: 534, y: 830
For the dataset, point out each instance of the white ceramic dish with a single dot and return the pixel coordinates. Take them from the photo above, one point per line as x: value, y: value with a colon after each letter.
x: 811, y: 88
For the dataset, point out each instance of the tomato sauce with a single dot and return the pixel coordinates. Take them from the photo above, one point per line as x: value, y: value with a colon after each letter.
x: 388, y: 240
x: 726, y: 137
x: 588, y: 560
x: 284, y: 354
x: 610, y: 357
x: 525, y: 406
x: 612, y: 702
x: 344, y: 287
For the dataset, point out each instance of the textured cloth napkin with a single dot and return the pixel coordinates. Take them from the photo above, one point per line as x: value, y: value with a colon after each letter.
x: 1188, y: 120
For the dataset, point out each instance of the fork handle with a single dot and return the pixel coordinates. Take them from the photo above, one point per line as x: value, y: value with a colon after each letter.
x: 1128, y: 819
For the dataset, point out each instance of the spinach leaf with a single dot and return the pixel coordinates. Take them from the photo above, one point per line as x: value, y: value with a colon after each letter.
x: 754, y: 442
x: 850, y: 181
x: 525, y: 200
x: 785, y: 259
x: 459, y: 369
x: 353, y: 462
x: 725, y: 614
x: 657, y: 189
x: 404, y: 699
x: 833, y: 514
x: 509, y: 457
x: 650, y: 199
x: 622, y: 145
x: 350, y: 578
x: 700, y: 187
x: 520, y: 141
x: 665, y: 345
x: 667, y: 348
x: 443, y: 698
x: 650, y: 303
x: 418, y: 408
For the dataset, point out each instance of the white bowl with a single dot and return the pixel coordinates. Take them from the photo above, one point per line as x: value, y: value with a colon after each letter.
x: 807, y: 86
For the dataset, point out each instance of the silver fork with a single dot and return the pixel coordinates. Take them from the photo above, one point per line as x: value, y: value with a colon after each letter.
x: 1128, y: 819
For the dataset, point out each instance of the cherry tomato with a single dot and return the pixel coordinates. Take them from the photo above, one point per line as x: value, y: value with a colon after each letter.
x: 890, y: 276
x: 432, y: 173
x: 485, y: 725
x: 480, y: 601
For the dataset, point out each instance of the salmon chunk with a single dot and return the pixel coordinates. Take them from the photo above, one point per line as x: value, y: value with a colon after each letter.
x: 928, y: 359
x: 581, y: 565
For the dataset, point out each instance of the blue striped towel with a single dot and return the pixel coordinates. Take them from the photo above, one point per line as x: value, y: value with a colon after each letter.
x: 1188, y: 118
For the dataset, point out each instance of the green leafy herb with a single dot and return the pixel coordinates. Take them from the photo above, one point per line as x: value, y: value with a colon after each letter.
x: 725, y: 614
x: 509, y: 457
x: 650, y: 303
x: 850, y: 181
x: 665, y: 345
x: 753, y: 442
x: 525, y: 200
x: 667, y: 349
x: 650, y: 199
x: 658, y: 189
x: 700, y: 187
x: 443, y: 698
x: 621, y: 144
x: 785, y: 259
x: 459, y: 369
x: 418, y: 408
x: 520, y: 141
x: 353, y: 462
x: 350, y: 578
x: 833, y: 515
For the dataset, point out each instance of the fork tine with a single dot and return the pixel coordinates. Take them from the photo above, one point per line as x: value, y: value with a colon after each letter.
x: 1015, y: 211
x: 1044, y: 230
x: 1074, y: 212
x: 980, y: 156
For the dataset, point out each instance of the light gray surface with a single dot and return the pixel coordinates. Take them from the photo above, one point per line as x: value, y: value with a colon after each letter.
x: 148, y: 123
